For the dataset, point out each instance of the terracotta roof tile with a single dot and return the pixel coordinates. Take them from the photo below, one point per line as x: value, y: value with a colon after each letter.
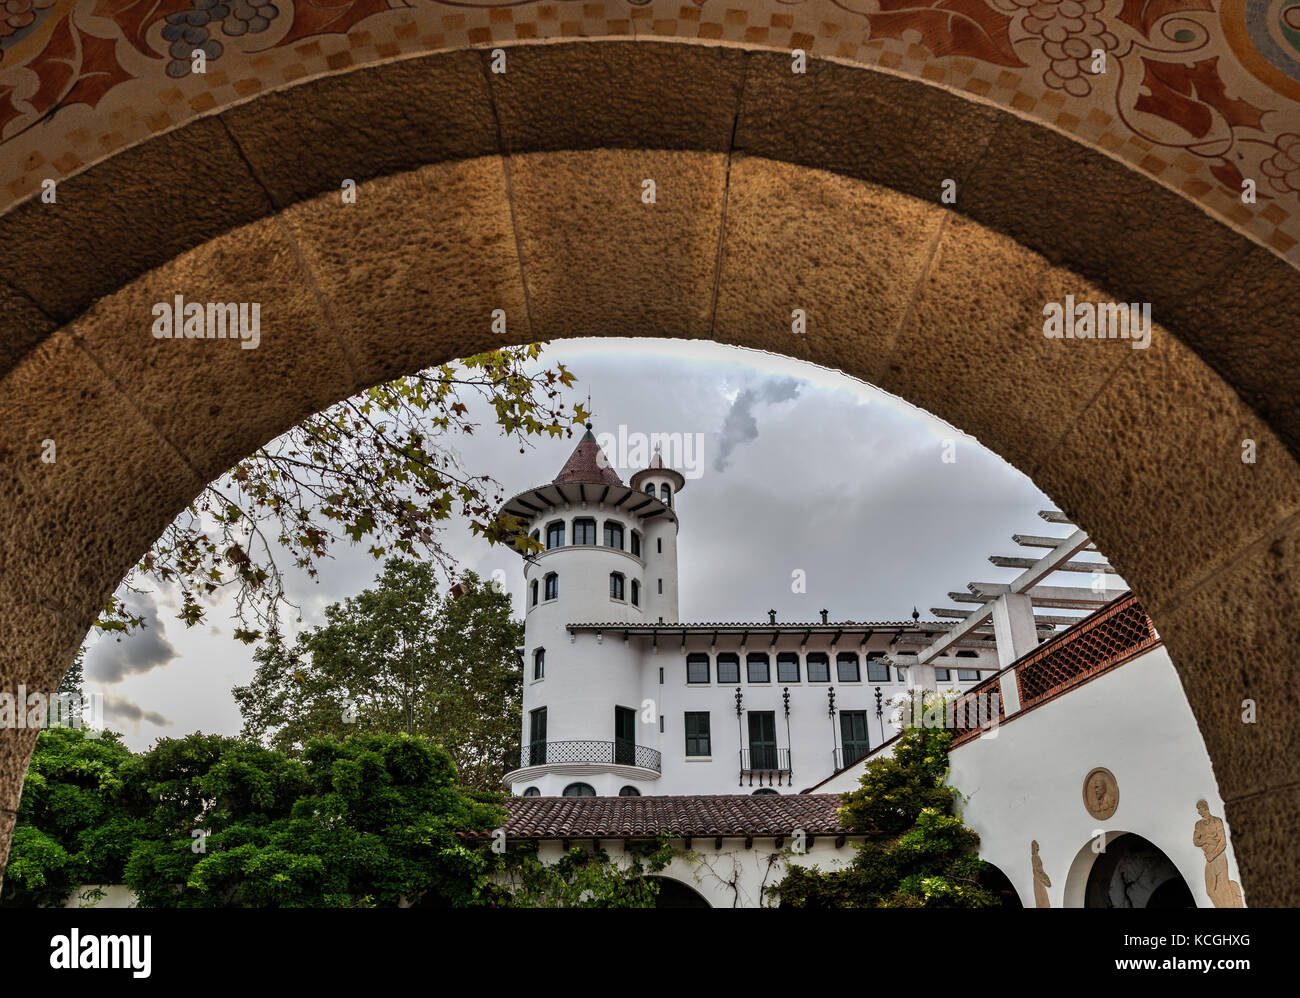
x: 588, y: 463
x: 635, y: 817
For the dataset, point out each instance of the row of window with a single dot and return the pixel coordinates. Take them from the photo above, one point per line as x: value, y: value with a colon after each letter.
x: 618, y: 588
x: 584, y: 790
x: 758, y: 668
x: 584, y: 533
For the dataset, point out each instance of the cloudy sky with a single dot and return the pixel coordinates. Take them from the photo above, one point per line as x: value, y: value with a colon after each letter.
x: 801, y: 469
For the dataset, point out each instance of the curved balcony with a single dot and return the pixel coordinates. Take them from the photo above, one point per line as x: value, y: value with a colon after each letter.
x: 586, y: 753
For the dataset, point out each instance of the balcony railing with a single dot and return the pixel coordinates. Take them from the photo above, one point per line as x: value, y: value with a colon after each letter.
x: 598, y: 753
x: 765, y: 765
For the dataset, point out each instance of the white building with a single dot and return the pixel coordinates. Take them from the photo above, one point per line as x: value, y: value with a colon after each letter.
x: 622, y: 697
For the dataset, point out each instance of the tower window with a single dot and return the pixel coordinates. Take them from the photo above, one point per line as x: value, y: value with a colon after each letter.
x: 728, y: 668
x: 532, y: 792
x: 665, y: 494
x: 536, y: 535
x: 650, y: 488
x: 552, y: 585
x: 697, y: 668
x: 819, y: 667
x: 579, y: 790
x: 758, y: 667
x: 629, y: 791
x: 697, y: 733
x: 636, y: 593
x: 537, y: 737
x: 661, y: 587
x: 613, y: 534
x: 846, y: 667
x: 539, y: 663
x: 534, y: 591
x: 659, y: 545
x: 787, y: 667
x: 877, y: 671
x: 636, y: 543
x: 555, y: 535
x: 615, y: 585
x: 584, y: 531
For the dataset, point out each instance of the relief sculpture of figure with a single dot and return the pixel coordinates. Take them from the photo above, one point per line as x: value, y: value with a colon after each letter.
x: 1210, y: 837
x: 1041, y: 883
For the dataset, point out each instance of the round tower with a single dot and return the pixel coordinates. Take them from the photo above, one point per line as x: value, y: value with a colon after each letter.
x: 608, y: 555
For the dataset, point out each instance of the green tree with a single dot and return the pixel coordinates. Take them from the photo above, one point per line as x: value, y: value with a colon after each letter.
x: 920, y: 855
x: 73, y: 824
x: 399, y: 658
x: 582, y: 878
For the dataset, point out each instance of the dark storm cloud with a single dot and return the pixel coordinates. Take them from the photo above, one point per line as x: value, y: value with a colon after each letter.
x: 740, y: 426
x: 145, y: 649
x: 119, y: 709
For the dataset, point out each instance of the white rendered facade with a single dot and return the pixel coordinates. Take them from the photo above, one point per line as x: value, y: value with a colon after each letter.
x: 620, y: 696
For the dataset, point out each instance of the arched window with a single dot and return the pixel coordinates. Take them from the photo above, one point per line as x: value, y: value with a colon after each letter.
x: 636, y: 543
x: 629, y: 792
x: 758, y: 668
x: 846, y: 667
x: 539, y: 663
x: 650, y: 488
x: 552, y: 585
x: 534, y: 587
x: 613, y: 534
x: 665, y: 494
x: 819, y: 667
x: 636, y: 593
x: 615, y: 585
x: 555, y: 535
x: 579, y: 790
x: 532, y: 792
x: 536, y: 535
x: 764, y: 790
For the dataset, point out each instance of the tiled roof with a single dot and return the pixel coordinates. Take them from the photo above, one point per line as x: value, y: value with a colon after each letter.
x: 588, y: 463
x: 702, y: 816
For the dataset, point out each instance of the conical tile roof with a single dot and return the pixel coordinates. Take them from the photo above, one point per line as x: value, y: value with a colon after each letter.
x: 588, y: 463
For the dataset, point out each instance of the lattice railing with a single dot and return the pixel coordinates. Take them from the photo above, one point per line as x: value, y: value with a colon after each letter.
x: 604, y: 753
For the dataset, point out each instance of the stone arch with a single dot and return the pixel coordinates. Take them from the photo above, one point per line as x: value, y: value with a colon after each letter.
x: 768, y: 201
x: 675, y: 893
x: 1132, y: 872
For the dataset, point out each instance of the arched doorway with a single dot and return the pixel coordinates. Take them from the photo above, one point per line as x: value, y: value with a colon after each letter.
x: 675, y: 894
x: 993, y: 879
x: 1135, y: 873
x: 940, y: 305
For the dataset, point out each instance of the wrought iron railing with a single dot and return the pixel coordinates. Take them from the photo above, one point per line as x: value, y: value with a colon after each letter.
x: 617, y: 753
x: 763, y: 765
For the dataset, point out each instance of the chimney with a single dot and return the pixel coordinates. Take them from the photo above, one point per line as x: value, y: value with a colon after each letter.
x: 824, y: 613
x: 771, y: 616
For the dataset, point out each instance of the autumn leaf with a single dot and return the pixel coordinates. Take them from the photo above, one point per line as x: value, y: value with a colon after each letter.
x: 949, y: 27
x: 1141, y: 15
x: 1187, y: 96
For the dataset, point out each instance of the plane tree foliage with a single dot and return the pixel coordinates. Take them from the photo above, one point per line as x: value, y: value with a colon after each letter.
x: 380, y: 469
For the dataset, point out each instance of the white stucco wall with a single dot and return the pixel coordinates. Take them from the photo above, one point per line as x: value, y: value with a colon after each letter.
x: 1026, y: 782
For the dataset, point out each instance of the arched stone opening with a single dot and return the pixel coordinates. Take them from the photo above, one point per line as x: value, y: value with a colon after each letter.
x: 675, y: 894
x: 1143, y: 448
x: 993, y: 879
x: 1135, y: 873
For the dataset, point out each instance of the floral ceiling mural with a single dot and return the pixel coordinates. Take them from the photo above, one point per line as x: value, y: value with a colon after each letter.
x: 1203, y: 94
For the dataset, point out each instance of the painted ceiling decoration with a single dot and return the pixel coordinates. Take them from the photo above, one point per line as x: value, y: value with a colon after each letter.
x: 1200, y: 94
